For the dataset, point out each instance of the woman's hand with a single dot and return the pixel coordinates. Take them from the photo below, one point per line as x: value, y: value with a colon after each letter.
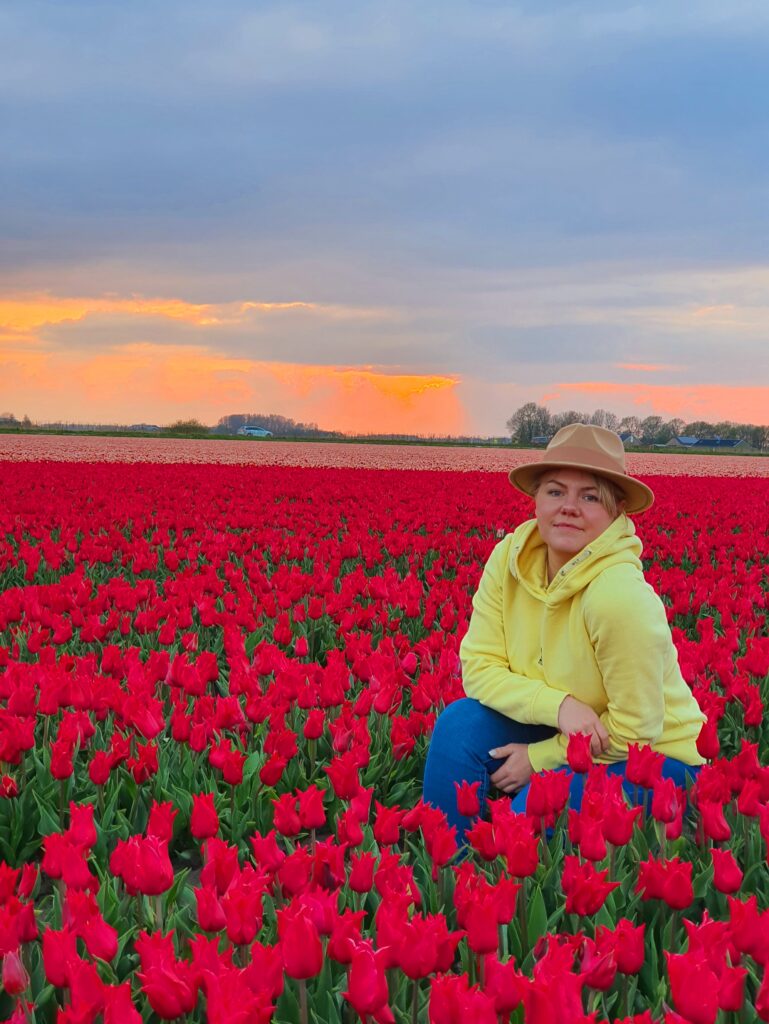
x: 576, y: 716
x: 515, y: 773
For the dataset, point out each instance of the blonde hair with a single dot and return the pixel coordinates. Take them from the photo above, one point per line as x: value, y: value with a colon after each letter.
x: 610, y: 495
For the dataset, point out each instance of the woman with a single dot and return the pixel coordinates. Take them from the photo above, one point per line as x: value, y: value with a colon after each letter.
x: 566, y: 636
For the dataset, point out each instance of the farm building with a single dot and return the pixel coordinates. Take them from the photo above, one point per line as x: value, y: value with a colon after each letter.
x: 711, y: 444
x: 628, y: 437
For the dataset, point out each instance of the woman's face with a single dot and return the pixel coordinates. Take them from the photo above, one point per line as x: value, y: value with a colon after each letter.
x: 569, y: 513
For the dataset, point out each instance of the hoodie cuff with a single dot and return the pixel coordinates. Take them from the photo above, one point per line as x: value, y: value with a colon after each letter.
x: 546, y: 705
x: 547, y: 755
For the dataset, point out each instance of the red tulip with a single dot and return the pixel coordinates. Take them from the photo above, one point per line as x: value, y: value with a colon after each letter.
x: 367, y: 985
x: 578, y: 752
x: 211, y: 917
x: 707, y: 741
x: 627, y: 941
x: 204, y: 821
x: 345, y: 935
x: 503, y: 984
x: 586, y: 889
x: 727, y: 875
x: 644, y: 766
x: 467, y: 798
x: 59, y: 955
x: 310, y: 806
x: 300, y: 943
x: 694, y: 986
x: 361, y: 876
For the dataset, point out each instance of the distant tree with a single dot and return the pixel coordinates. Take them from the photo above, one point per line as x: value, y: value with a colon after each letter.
x: 531, y: 420
x: 651, y: 429
x: 563, y: 419
x: 673, y: 428
x: 699, y: 428
x: 727, y: 428
x: 192, y: 426
x: 602, y: 418
x: 281, y: 426
x: 631, y: 424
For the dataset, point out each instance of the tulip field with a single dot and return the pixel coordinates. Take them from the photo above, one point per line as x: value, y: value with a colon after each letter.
x: 217, y: 688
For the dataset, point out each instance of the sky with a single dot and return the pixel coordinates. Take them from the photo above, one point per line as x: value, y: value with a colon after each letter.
x: 387, y: 216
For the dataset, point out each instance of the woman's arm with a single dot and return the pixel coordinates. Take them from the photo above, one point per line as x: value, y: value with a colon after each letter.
x: 486, y: 671
x: 628, y: 628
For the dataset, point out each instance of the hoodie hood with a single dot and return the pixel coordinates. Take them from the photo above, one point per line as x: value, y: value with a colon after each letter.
x: 617, y: 545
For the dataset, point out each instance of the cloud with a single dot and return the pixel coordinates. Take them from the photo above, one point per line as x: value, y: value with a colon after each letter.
x: 713, y: 402
x: 152, y: 383
x: 509, y: 194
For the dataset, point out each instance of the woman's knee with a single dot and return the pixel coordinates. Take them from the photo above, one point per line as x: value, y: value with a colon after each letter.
x: 456, y: 721
x: 466, y: 718
x: 468, y: 727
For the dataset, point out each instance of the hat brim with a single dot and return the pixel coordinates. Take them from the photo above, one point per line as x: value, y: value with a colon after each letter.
x: 638, y: 497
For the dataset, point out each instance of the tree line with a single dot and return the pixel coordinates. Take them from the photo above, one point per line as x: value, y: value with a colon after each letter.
x: 532, y: 420
x: 283, y: 426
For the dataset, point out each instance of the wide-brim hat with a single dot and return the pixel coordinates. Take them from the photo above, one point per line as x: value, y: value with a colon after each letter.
x: 592, y: 450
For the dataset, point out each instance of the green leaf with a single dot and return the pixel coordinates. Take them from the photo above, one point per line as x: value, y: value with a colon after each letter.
x: 48, y: 823
x: 252, y: 764
x: 536, y: 920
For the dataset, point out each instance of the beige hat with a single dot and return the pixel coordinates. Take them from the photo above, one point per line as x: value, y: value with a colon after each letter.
x: 593, y: 449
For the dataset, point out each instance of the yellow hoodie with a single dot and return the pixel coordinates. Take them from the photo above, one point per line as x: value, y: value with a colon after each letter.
x: 598, y: 632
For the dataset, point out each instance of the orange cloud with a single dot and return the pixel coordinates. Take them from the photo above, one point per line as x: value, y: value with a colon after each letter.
x: 159, y: 383
x: 740, y: 403
x: 30, y: 312
x: 24, y: 314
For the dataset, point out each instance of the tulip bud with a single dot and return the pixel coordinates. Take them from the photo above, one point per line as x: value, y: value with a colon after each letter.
x: 15, y: 977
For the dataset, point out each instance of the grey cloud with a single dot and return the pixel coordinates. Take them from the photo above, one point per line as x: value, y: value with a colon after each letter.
x: 458, y: 163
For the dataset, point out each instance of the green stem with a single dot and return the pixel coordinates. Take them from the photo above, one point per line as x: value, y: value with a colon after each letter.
x: 662, y: 836
x: 546, y: 858
x: 304, y: 1016
x: 62, y: 801
x: 159, y: 912
x: 523, y: 912
x: 415, y: 1002
x: 141, y: 920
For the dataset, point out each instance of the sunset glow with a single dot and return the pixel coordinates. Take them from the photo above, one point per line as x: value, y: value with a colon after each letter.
x: 145, y: 382
x: 710, y: 402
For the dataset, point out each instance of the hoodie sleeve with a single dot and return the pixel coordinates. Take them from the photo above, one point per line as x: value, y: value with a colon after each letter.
x: 486, y: 671
x: 628, y: 628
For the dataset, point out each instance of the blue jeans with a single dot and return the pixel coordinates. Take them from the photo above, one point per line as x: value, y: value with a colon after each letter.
x: 459, y: 752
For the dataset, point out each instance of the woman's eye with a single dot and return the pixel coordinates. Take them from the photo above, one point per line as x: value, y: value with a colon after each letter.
x: 591, y: 497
